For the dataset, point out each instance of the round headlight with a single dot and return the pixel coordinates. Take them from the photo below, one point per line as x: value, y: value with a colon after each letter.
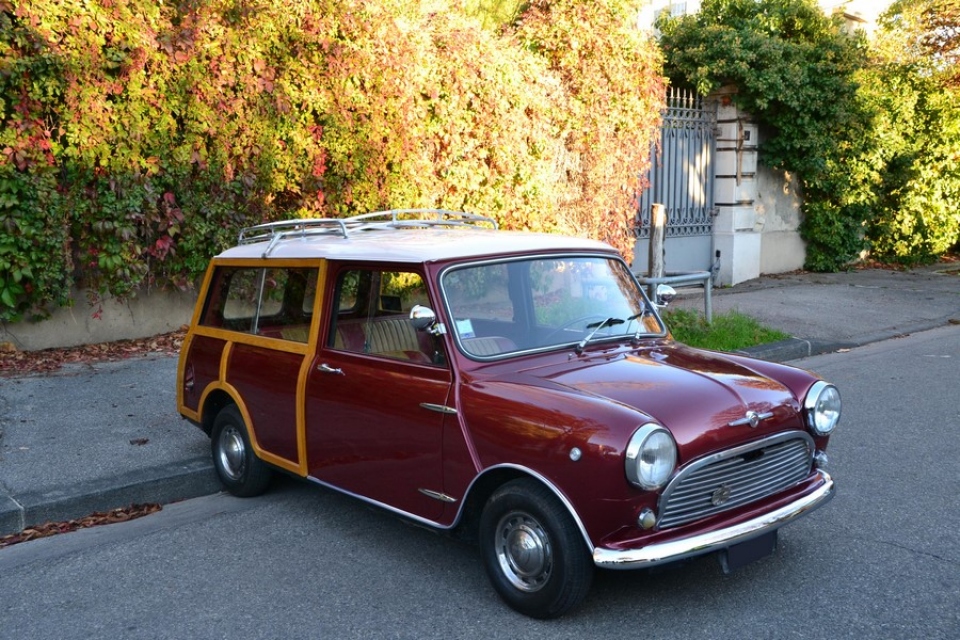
x: 823, y: 408
x: 651, y: 457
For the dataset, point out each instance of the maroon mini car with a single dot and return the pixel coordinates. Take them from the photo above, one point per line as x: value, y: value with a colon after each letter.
x: 519, y: 388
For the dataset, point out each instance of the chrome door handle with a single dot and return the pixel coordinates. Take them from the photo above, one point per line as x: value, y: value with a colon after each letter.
x: 325, y: 368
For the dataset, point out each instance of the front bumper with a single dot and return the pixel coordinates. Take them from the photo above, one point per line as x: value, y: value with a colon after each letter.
x: 696, y: 545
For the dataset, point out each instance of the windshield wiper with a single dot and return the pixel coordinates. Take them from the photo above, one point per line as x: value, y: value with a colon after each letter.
x: 636, y: 336
x: 596, y: 326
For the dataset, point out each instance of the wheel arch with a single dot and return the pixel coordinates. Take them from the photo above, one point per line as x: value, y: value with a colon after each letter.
x: 491, y: 479
x: 213, y: 403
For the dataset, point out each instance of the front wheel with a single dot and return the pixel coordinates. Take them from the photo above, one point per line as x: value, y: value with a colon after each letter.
x: 240, y: 470
x: 532, y: 550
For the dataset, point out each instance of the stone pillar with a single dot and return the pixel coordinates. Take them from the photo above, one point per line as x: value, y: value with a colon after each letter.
x: 737, y: 227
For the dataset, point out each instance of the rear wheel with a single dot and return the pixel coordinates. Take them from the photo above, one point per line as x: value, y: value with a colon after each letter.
x: 240, y: 470
x: 533, y: 551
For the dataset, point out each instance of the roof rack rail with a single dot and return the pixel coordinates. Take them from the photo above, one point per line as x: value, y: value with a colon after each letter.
x: 406, y: 218
x: 274, y: 232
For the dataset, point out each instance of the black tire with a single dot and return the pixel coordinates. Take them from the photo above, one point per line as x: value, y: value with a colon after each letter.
x: 533, y: 552
x: 242, y: 473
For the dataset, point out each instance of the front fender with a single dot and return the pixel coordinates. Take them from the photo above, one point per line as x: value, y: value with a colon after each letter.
x: 574, y: 443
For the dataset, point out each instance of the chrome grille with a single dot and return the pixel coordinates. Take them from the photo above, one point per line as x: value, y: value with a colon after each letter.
x: 736, y: 477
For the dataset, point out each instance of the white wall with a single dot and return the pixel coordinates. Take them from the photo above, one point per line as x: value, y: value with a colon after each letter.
x: 778, y: 219
x: 147, y: 314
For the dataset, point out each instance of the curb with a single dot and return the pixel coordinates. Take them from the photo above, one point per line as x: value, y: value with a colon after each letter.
x: 165, y: 484
x: 794, y: 349
x: 797, y: 348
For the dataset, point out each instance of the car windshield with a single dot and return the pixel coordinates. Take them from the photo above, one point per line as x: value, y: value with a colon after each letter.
x: 500, y: 308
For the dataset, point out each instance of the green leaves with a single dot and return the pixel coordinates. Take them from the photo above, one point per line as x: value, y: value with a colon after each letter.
x: 33, y: 264
x: 795, y: 71
x: 874, y: 140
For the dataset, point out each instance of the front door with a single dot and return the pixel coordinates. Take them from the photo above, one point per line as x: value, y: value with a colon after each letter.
x: 377, y: 394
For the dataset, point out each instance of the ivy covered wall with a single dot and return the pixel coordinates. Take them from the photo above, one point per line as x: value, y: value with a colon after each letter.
x: 137, y: 137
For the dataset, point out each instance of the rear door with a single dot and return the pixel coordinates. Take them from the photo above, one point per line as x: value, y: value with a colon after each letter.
x: 252, y: 339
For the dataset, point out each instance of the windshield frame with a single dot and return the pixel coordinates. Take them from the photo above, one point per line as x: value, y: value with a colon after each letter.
x: 642, y: 300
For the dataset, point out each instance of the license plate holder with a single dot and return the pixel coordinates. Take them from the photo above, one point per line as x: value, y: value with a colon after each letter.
x: 744, y: 553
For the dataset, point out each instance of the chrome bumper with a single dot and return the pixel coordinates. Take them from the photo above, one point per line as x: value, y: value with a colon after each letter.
x: 665, y: 552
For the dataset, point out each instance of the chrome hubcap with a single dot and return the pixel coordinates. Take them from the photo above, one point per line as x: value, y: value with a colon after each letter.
x: 524, y: 552
x: 232, y: 453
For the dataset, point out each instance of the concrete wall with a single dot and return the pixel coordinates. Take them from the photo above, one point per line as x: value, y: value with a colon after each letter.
x: 147, y: 314
x: 778, y: 216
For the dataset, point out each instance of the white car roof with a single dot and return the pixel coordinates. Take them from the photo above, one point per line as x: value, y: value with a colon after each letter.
x: 404, y: 242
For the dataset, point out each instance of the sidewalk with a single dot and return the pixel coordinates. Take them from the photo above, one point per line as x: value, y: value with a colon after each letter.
x: 97, y: 437
x: 826, y: 312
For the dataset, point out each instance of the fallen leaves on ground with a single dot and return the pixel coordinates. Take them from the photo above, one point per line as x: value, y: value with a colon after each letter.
x: 47, y: 360
x: 96, y: 519
x: 870, y: 263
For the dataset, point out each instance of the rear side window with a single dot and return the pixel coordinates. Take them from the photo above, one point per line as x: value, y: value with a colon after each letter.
x: 276, y: 302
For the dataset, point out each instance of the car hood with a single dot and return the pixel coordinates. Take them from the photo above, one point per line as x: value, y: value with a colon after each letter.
x: 695, y: 394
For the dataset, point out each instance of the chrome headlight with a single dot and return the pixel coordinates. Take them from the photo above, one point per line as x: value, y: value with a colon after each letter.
x: 822, y: 406
x: 651, y: 457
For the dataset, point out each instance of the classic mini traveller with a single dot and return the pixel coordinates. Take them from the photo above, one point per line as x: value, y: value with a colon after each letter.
x: 518, y: 388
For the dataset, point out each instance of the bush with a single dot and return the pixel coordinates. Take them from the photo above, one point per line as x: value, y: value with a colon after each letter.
x: 610, y: 73
x: 465, y: 129
x: 917, y: 213
x: 34, y: 263
x: 795, y: 72
x: 874, y: 141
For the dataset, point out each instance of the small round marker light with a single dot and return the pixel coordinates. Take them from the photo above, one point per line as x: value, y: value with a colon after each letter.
x: 820, y: 460
x: 647, y: 519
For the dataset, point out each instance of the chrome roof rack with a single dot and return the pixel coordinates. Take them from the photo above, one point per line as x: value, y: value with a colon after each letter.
x: 274, y: 232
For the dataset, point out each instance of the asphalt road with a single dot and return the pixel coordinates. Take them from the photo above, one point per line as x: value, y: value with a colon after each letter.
x: 881, y: 561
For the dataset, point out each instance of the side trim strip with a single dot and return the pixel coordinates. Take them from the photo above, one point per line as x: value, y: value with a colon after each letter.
x: 463, y: 502
x: 436, y: 495
x: 665, y: 552
x: 382, y: 505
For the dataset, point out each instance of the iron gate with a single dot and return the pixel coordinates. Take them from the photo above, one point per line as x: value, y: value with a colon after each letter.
x: 681, y: 178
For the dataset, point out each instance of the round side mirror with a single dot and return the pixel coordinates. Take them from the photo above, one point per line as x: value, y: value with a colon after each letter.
x: 422, y: 318
x: 665, y: 295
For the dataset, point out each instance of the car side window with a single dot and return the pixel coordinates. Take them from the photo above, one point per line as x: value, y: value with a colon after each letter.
x: 373, y: 316
x: 275, y: 302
